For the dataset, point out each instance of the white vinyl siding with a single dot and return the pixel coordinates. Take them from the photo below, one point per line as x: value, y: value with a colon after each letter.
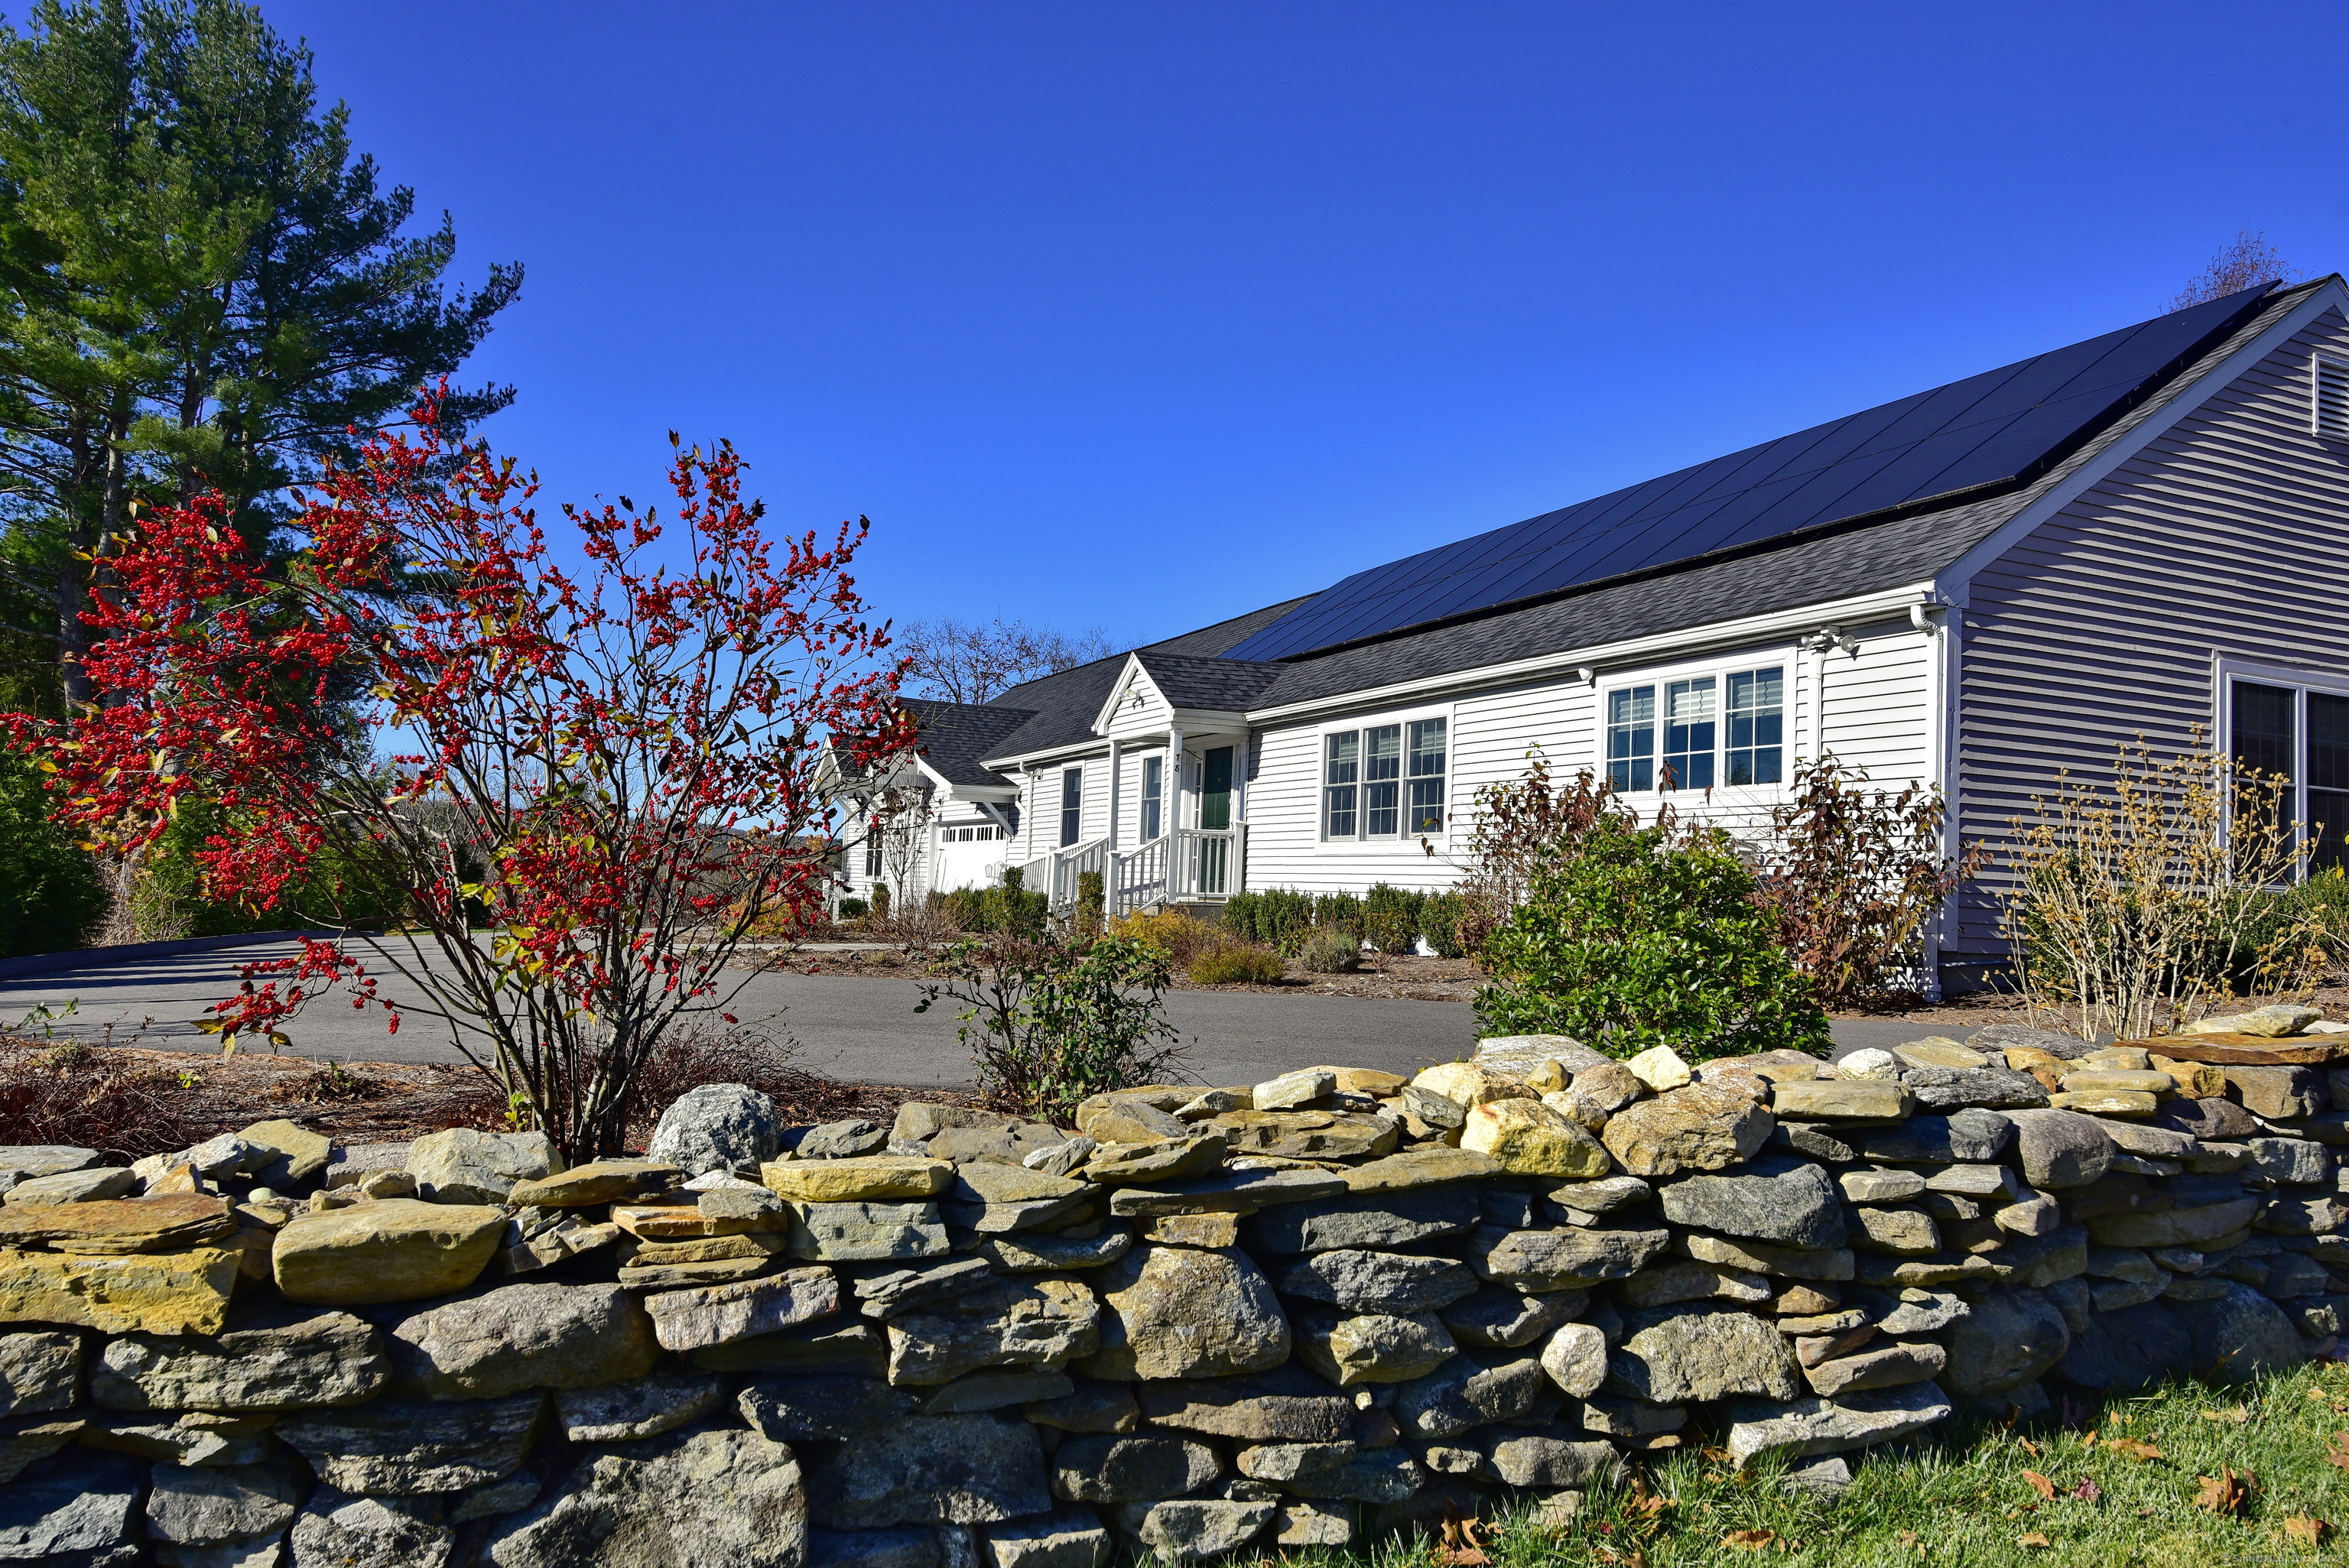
x: 2226, y: 535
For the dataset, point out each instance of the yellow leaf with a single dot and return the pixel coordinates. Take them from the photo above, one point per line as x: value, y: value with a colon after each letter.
x: 2041, y: 1484
x: 2134, y: 1449
x: 2309, y: 1531
x: 2034, y: 1541
x: 1749, y: 1540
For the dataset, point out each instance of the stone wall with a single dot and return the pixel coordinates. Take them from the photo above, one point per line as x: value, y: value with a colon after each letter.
x: 1303, y: 1312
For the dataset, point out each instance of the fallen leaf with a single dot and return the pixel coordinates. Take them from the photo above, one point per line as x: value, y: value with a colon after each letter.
x: 2227, y: 1492
x: 2338, y: 1454
x: 2302, y: 1528
x: 2034, y: 1541
x: 2028, y: 1446
x: 1749, y: 1540
x: 2086, y: 1491
x: 2234, y: 1418
x: 2134, y: 1448
x: 1907, y: 1538
x: 1460, y: 1548
x: 2041, y: 1484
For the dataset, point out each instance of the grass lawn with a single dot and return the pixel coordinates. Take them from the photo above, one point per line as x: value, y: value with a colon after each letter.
x: 2126, y: 1488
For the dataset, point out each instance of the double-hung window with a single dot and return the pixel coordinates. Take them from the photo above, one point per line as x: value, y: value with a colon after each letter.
x: 1153, y: 795
x: 1714, y: 730
x: 1072, y: 805
x: 2297, y: 737
x: 1384, y: 780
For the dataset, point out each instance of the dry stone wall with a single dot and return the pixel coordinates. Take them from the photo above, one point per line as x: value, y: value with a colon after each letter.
x: 1302, y: 1312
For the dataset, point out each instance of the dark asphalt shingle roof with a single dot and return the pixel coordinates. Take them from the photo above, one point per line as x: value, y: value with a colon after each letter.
x: 955, y: 735
x: 1831, y: 563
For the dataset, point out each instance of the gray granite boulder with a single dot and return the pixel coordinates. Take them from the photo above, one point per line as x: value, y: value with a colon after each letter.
x: 931, y: 1470
x: 297, y: 1358
x: 338, y: 1530
x: 2240, y: 1335
x: 717, y: 1127
x: 1778, y: 1198
x: 516, y: 1337
x: 2010, y: 1338
x: 704, y: 1495
x: 1677, y: 1354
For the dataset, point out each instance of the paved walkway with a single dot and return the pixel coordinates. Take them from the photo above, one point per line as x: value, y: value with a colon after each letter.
x: 855, y: 1028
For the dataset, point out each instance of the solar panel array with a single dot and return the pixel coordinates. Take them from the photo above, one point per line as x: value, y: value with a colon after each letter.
x: 2003, y: 425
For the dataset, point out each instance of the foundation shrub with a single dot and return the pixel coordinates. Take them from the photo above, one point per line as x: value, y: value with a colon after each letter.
x: 1331, y: 952
x: 1238, y: 963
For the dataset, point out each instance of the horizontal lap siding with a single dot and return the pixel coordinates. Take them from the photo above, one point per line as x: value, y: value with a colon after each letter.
x: 2227, y: 534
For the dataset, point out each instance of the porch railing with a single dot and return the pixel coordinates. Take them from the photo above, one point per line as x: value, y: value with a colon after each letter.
x: 1187, y: 863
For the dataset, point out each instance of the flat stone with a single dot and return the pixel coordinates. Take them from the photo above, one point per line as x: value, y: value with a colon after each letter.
x: 718, y: 1314
x: 2174, y: 1227
x: 80, y: 1515
x: 72, y: 1187
x: 1362, y: 1281
x: 1371, y: 1348
x: 464, y: 1166
x: 1526, y: 1137
x: 868, y: 1232
x: 1239, y: 1192
x: 40, y: 1369
x: 2010, y: 1036
x: 900, y: 1290
x: 1830, y: 1263
x: 2061, y: 1148
x: 1309, y: 1134
x: 598, y: 1182
x: 1471, y: 1084
x: 1790, y: 1202
x: 245, y: 1506
x: 29, y: 1161
x: 1500, y: 1317
x: 1042, y: 1323
x: 519, y: 1336
x: 1087, y: 1407
x: 1944, y: 1090
x: 1685, y: 1279
x: 1421, y: 1167
x: 1603, y: 1196
x: 1192, y: 1230
x: 931, y: 1470
x: 2272, y: 1022
x: 1939, y: 1051
x: 317, y: 1359
x: 1841, y: 1100
x: 826, y: 1345
x: 996, y: 1388
x: 1869, y: 1065
x: 1878, y: 1186
x: 1972, y: 1134
x: 2276, y: 1093
x: 842, y: 1139
x: 1562, y: 1259
x: 2291, y: 1159
x: 295, y: 1154
x: 1162, y: 1160
x: 1105, y: 1468
x: 717, y: 1127
x: 2207, y: 1120
x: 1125, y: 1119
x: 1797, y: 1428
x: 166, y: 1292
x: 1694, y: 1128
x: 993, y: 1198
x: 1191, y: 1529
x: 645, y: 1407
x: 395, y: 1250
x: 1180, y: 1312
x: 866, y: 1179
x: 1293, y: 1088
x: 1028, y: 1252
x: 398, y: 1448
x: 1887, y: 1230
x: 1470, y: 1391
x: 822, y: 1407
x: 1061, y: 1159
x: 1883, y: 1366
x: 709, y: 1496
x: 1333, y: 1471
x: 1397, y: 1219
x: 335, y: 1527
x: 2106, y: 1102
x: 1632, y: 1418
x: 2298, y: 1216
x: 118, y: 1226
x: 1532, y: 1461
x: 1289, y: 1404
x: 1071, y: 1538
x: 1694, y: 1354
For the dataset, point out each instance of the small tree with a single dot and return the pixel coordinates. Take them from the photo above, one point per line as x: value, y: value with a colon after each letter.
x: 1522, y: 826
x: 1648, y: 937
x: 1052, y: 1022
x: 630, y: 752
x: 1855, y: 876
x: 2135, y: 900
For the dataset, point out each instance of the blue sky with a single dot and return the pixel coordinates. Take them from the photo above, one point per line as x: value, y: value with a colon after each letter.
x: 1140, y: 317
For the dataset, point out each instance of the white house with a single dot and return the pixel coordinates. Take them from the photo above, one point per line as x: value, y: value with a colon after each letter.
x: 1975, y: 587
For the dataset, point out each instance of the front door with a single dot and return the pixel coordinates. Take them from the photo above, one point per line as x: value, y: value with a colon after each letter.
x: 1216, y: 788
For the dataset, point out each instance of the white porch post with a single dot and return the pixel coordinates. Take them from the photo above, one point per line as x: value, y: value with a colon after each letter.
x: 1116, y: 763
x: 1176, y: 872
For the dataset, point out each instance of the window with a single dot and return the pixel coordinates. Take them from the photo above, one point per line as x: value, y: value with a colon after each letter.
x: 1631, y: 738
x: 1381, y: 782
x: 1688, y: 735
x: 1072, y: 804
x: 1758, y: 726
x: 2299, y: 735
x: 872, y: 856
x: 1715, y: 729
x: 1341, y: 769
x: 1153, y: 795
x: 1427, y: 754
x: 2329, y: 417
x: 980, y: 834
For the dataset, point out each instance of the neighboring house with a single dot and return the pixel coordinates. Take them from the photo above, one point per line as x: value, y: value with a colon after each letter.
x: 1974, y: 587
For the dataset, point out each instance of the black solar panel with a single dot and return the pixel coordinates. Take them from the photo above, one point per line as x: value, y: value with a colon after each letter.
x: 2003, y: 427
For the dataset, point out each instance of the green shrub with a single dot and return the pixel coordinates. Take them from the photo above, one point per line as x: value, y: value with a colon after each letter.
x: 1052, y: 1023
x: 1278, y: 917
x: 1329, y: 951
x: 1391, y: 931
x: 1645, y: 938
x: 1238, y: 963
x: 1439, y: 921
x: 1089, y: 901
x: 852, y: 908
x: 1005, y: 909
x: 51, y: 895
x: 1339, y: 912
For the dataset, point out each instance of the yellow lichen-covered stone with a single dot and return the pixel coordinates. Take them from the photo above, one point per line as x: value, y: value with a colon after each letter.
x: 1465, y: 1084
x: 2103, y: 1080
x: 1660, y: 1068
x: 399, y: 1249
x: 2197, y: 1080
x: 867, y: 1178
x: 1529, y: 1138
x: 2106, y: 1102
x: 147, y: 1293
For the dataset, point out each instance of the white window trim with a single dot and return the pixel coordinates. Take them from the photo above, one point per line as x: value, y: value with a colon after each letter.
x: 2225, y: 671
x: 2317, y: 365
x: 1660, y: 676
x: 1325, y: 845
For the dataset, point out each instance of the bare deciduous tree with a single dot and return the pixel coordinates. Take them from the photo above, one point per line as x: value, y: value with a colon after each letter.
x: 963, y: 661
x: 2248, y: 259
